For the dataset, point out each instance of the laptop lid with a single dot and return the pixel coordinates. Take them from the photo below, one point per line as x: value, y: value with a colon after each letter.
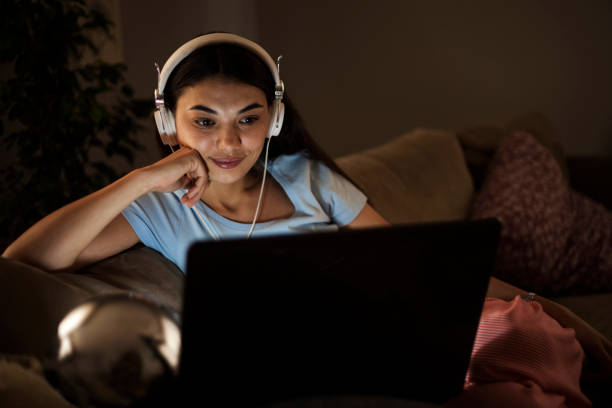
x: 389, y: 311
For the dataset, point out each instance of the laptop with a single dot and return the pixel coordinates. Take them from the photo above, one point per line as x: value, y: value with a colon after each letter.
x: 386, y: 311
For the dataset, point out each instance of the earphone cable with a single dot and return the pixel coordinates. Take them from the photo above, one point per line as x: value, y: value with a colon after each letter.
x: 210, y: 231
x: 261, y: 189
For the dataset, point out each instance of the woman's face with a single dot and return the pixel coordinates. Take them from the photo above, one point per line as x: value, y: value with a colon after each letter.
x: 226, y: 122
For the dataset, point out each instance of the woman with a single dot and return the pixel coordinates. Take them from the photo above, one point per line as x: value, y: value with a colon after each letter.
x: 220, y: 99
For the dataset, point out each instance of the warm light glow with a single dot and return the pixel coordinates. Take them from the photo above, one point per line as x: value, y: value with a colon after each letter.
x: 74, y: 319
x: 69, y: 323
x: 65, y: 348
x: 171, y: 348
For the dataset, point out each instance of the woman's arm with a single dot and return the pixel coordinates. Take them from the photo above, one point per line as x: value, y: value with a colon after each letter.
x: 368, y: 217
x: 56, y: 241
x: 92, y: 228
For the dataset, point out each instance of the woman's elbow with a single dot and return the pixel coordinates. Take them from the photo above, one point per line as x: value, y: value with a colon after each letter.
x: 32, y: 257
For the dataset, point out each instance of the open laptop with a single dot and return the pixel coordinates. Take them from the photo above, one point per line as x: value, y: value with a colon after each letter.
x: 387, y: 312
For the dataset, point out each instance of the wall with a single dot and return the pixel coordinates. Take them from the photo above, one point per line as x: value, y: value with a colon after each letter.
x: 365, y: 71
x: 362, y: 72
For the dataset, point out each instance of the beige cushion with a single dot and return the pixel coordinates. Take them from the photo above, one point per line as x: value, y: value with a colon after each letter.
x: 594, y: 308
x: 417, y: 177
x: 139, y: 269
x: 33, y: 302
x: 25, y: 386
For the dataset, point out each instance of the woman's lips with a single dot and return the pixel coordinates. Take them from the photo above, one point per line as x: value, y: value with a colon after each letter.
x: 227, y: 162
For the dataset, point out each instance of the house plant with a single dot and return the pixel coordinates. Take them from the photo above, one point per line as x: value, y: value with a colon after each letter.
x: 64, y: 112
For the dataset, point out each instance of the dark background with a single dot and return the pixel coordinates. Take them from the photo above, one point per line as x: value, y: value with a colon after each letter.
x: 362, y: 72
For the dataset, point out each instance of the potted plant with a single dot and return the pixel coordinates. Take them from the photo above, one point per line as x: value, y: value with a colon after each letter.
x: 61, y: 119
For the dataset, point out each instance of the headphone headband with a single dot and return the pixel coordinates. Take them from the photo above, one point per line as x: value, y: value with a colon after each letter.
x: 217, y: 38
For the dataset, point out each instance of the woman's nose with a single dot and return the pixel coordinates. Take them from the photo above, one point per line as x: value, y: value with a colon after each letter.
x: 228, y: 137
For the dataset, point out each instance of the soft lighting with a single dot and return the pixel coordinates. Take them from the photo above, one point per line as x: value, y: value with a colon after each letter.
x: 68, y: 324
x: 171, y: 348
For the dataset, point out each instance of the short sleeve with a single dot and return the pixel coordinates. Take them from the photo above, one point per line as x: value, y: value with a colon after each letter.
x: 154, y: 220
x: 340, y: 198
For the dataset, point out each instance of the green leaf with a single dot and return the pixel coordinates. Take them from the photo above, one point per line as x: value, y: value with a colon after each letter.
x: 54, y: 111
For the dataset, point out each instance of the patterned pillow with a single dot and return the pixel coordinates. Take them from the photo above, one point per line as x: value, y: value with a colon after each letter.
x: 554, y: 240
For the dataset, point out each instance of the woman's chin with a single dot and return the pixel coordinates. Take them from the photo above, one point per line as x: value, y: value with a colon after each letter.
x: 226, y: 176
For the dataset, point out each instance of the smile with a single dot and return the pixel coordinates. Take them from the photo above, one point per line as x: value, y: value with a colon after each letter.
x: 227, y: 162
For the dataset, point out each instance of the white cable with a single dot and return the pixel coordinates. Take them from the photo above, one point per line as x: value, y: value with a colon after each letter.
x: 210, y: 231
x: 263, y: 181
x: 261, y: 189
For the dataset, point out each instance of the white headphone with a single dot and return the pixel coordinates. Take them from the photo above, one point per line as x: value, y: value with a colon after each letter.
x: 164, y: 118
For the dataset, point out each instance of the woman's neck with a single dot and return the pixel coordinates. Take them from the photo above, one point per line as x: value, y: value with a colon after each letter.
x: 235, y: 197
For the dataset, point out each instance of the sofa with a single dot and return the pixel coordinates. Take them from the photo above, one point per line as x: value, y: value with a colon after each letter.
x: 423, y: 175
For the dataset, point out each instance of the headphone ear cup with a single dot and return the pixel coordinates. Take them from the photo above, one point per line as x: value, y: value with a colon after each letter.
x: 166, y: 126
x: 277, y: 118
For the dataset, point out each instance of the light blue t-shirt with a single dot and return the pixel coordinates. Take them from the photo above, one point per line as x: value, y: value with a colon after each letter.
x: 322, y: 199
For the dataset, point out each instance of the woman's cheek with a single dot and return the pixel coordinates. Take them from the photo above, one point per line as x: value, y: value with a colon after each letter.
x: 201, y: 143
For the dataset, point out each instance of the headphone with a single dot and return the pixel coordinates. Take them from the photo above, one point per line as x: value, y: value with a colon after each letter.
x: 164, y: 117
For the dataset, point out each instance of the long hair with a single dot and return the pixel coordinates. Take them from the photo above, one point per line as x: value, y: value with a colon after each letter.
x: 234, y: 62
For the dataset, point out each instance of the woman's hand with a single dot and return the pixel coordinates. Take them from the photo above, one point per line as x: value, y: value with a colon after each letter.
x: 182, y: 169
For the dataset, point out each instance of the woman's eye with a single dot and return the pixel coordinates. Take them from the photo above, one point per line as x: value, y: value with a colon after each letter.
x: 204, y: 122
x: 249, y: 120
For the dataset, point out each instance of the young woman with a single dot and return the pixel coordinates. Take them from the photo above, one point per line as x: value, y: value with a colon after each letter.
x: 221, y: 102
x: 222, y: 96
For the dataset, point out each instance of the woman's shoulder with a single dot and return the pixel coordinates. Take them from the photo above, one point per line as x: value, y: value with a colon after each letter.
x: 285, y: 160
x: 296, y: 166
x: 316, y: 185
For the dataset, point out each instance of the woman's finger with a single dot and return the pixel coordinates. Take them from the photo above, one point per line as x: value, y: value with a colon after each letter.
x: 188, y: 197
x: 181, y: 170
x: 199, y: 178
x: 195, y: 191
x: 198, y: 189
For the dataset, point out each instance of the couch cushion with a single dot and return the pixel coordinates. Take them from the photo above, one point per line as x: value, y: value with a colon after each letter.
x: 32, y: 303
x: 554, y: 240
x: 24, y: 385
x: 594, y: 308
x: 139, y: 269
x: 480, y: 142
x: 419, y: 176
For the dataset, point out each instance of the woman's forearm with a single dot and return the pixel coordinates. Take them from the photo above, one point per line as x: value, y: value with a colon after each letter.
x: 56, y: 241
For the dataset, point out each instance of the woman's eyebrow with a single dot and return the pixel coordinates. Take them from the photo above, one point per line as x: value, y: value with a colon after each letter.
x: 251, y: 106
x: 214, y: 112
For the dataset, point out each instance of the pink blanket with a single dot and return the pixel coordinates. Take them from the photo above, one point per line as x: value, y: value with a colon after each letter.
x: 522, y: 358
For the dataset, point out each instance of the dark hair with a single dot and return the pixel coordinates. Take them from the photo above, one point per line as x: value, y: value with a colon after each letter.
x: 237, y: 63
